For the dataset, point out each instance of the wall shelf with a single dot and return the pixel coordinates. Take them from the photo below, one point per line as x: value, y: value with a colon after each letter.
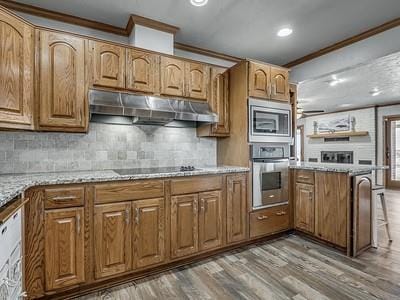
x: 338, y: 134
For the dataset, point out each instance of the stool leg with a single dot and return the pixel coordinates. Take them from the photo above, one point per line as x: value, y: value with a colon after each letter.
x: 385, y: 215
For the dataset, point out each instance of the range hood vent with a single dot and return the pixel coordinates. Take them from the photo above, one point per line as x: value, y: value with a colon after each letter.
x: 140, y: 109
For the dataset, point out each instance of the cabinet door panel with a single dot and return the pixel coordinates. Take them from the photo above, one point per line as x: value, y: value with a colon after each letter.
x: 149, y: 232
x: 197, y: 78
x: 210, y: 220
x: 62, y: 81
x: 64, y: 248
x: 143, y: 71
x: 184, y: 225
x: 259, y: 80
x: 108, y: 65
x: 172, y: 77
x: 16, y: 65
x: 112, y: 239
x: 220, y: 100
x: 331, y: 196
x: 236, y: 208
x: 280, y: 84
x: 304, y: 219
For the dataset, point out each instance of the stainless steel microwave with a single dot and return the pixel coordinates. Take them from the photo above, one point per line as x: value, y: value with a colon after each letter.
x: 269, y: 122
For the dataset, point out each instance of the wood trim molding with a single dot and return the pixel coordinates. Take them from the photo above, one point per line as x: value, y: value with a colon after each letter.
x: 139, y: 20
x: 134, y: 19
x: 49, y: 14
x: 346, y: 42
x: 206, y: 52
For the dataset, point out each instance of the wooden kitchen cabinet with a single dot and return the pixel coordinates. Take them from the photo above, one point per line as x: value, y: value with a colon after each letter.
x: 269, y: 221
x: 268, y: 82
x: 197, y: 78
x: 142, y: 71
x: 259, y: 80
x: 172, y: 76
x: 64, y: 247
x: 184, y: 225
x: 62, y: 92
x: 108, y: 64
x: 112, y: 239
x: 210, y: 220
x: 331, y: 194
x: 219, y: 103
x: 280, y: 84
x: 236, y: 201
x: 148, y: 232
x: 16, y: 67
x: 304, y: 207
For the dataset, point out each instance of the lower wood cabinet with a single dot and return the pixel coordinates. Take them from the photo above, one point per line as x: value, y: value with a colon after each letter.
x: 210, y: 220
x: 112, y: 239
x: 148, y: 232
x: 184, y: 225
x: 236, y: 202
x: 304, y: 207
x: 64, y: 247
x: 269, y: 221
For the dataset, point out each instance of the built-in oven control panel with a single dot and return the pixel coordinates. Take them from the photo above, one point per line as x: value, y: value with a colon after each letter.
x: 269, y: 151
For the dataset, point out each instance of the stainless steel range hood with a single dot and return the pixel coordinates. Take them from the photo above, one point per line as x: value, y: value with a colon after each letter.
x: 113, y: 107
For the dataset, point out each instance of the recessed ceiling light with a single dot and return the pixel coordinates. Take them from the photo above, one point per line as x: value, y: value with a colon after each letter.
x: 284, y: 32
x: 198, y: 2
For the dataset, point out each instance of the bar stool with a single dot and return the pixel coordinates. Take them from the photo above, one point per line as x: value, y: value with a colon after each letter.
x: 379, y: 191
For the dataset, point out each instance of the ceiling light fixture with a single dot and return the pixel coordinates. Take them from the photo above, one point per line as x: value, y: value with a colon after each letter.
x: 375, y: 92
x: 345, y: 105
x: 284, y: 32
x: 334, y: 81
x: 198, y: 2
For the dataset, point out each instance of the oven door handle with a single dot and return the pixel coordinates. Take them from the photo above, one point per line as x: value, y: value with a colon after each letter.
x: 272, y: 160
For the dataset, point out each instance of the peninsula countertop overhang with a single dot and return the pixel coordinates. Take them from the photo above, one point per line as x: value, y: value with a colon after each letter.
x: 352, y: 170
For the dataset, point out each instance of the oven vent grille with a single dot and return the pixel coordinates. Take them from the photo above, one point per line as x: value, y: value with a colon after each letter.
x: 338, y: 139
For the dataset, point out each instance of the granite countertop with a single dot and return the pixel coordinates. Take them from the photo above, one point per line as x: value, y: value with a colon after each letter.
x: 353, y: 170
x: 11, y: 186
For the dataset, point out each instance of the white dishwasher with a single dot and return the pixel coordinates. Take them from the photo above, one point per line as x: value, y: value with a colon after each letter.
x: 11, y: 258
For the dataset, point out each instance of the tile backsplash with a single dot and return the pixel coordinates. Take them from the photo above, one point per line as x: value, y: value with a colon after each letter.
x: 105, y: 146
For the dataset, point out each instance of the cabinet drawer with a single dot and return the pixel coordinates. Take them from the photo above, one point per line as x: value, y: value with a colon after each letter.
x: 305, y: 176
x: 269, y: 220
x: 64, y: 197
x: 196, y: 185
x: 118, y: 192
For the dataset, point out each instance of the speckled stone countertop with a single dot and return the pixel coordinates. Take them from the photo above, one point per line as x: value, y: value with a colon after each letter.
x: 12, y: 186
x: 353, y: 170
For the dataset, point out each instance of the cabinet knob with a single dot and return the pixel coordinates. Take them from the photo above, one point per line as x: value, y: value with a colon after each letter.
x: 281, y: 213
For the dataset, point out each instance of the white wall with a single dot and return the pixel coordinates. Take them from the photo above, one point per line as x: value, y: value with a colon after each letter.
x: 371, y: 48
x: 363, y: 147
x: 151, y: 39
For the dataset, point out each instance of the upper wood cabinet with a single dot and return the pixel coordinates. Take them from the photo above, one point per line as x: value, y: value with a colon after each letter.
x: 210, y: 220
x: 304, y: 207
x: 197, y: 78
x: 236, y: 202
x: 268, y: 82
x: 64, y: 247
x: 280, y: 84
x: 142, y: 71
x: 148, y: 232
x: 112, y: 239
x: 219, y: 103
x: 259, y: 80
x: 62, y: 99
x: 184, y: 79
x: 172, y: 76
x: 108, y: 63
x: 184, y: 225
x: 16, y: 68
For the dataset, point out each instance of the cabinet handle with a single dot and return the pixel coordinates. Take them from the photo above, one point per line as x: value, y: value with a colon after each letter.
x: 282, y: 213
x: 202, y: 204
x: 137, y: 215
x: 127, y: 218
x: 195, y: 206
x: 4, y: 230
x: 262, y: 218
x: 78, y: 224
x: 303, y: 177
x: 64, y: 198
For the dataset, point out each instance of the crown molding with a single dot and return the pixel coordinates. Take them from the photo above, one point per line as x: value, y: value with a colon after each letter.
x: 354, y: 39
x: 139, y: 20
x: 206, y: 52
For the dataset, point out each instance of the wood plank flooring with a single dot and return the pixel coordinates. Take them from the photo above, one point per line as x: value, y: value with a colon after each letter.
x: 286, y: 268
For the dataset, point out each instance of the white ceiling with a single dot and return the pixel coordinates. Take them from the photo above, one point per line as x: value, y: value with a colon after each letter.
x: 244, y: 28
x: 355, y: 86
